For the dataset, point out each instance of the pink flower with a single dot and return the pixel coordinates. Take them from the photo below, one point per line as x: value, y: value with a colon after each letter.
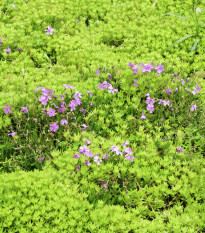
x: 127, y: 151
x: 51, y: 112
x: 49, y: 31
x: 97, y: 160
x: 98, y: 72
x: 125, y: 144
x: 7, y: 109
x: 150, y: 108
x: 87, y: 163
x: 25, y: 110
x: 135, y: 84
x: 88, y: 154
x: 76, y: 156
x: 89, y: 92
x: 63, y: 122
x: 68, y: 87
x: 84, y: 149
x: 180, y: 150
x: 84, y: 127
x: 7, y: 50
x: 40, y: 159
x: 130, y: 158
x: 12, y: 134
x: 143, y: 117
x: 54, y: 127
x: 159, y: 68
x: 194, y: 107
x: 105, y: 156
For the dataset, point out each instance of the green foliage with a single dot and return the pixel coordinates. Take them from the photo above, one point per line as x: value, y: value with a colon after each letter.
x: 161, y: 190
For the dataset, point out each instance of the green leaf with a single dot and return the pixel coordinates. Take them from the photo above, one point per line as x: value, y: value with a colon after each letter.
x: 179, y: 41
x: 194, y: 46
x: 182, y: 17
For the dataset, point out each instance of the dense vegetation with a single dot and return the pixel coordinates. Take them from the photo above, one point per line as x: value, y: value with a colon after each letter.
x: 102, y: 116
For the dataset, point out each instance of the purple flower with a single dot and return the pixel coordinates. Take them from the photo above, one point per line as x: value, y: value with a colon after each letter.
x: 87, y: 163
x: 83, y: 110
x: 63, y: 122
x: 84, y: 127
x: 40, y: 159
x: 43, y: 99
x: 84, y: 149
x: 7, y: 109
x: 194, y: 107
x: 68, y: 87
x: 194, y: 92
x: 112, y: 90
x: 130, y: 64
x: 159, y: 68
x: 76, y: 156
x: 127, y: 151
x: 180, y: 150
x: 78, y: 168
x: 197, y: 86
x: 150, y: 108
x: 150, y: 101
x: 116, y: 150
x: 49, y: 30
x: 87, y: 141
x: 105, y: 156
x: 125, y: 144
x: 147, y: 68
x: 130, y: 158
x: 51, y: 112
x: 166, y: 103
x: 96, y: 159
x: 72, y: 105
x: 23, y: 109
x: 77, y: 95
x: 101, y: 86
x: 147, y: 95
x: 12, y: 134
x: 105, y: 186
x: 54, y: 127
x: 7, y: 50
x: 19, y: 49
x: 88, y: 154
x: 61, y: 110
x: 168, y: 91
x: 98, y: 72
x: 89, y: 92
x: 143, y: 117
x: 135, y: 84
x: 182, y: 81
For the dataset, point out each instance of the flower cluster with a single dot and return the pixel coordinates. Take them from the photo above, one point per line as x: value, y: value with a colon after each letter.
x: 150, y: 103
x: 106, y: 85
x: 84, y: 150
x: 146, y: 68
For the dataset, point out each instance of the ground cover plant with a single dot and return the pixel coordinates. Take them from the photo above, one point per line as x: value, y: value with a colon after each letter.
x: 101, y: 127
